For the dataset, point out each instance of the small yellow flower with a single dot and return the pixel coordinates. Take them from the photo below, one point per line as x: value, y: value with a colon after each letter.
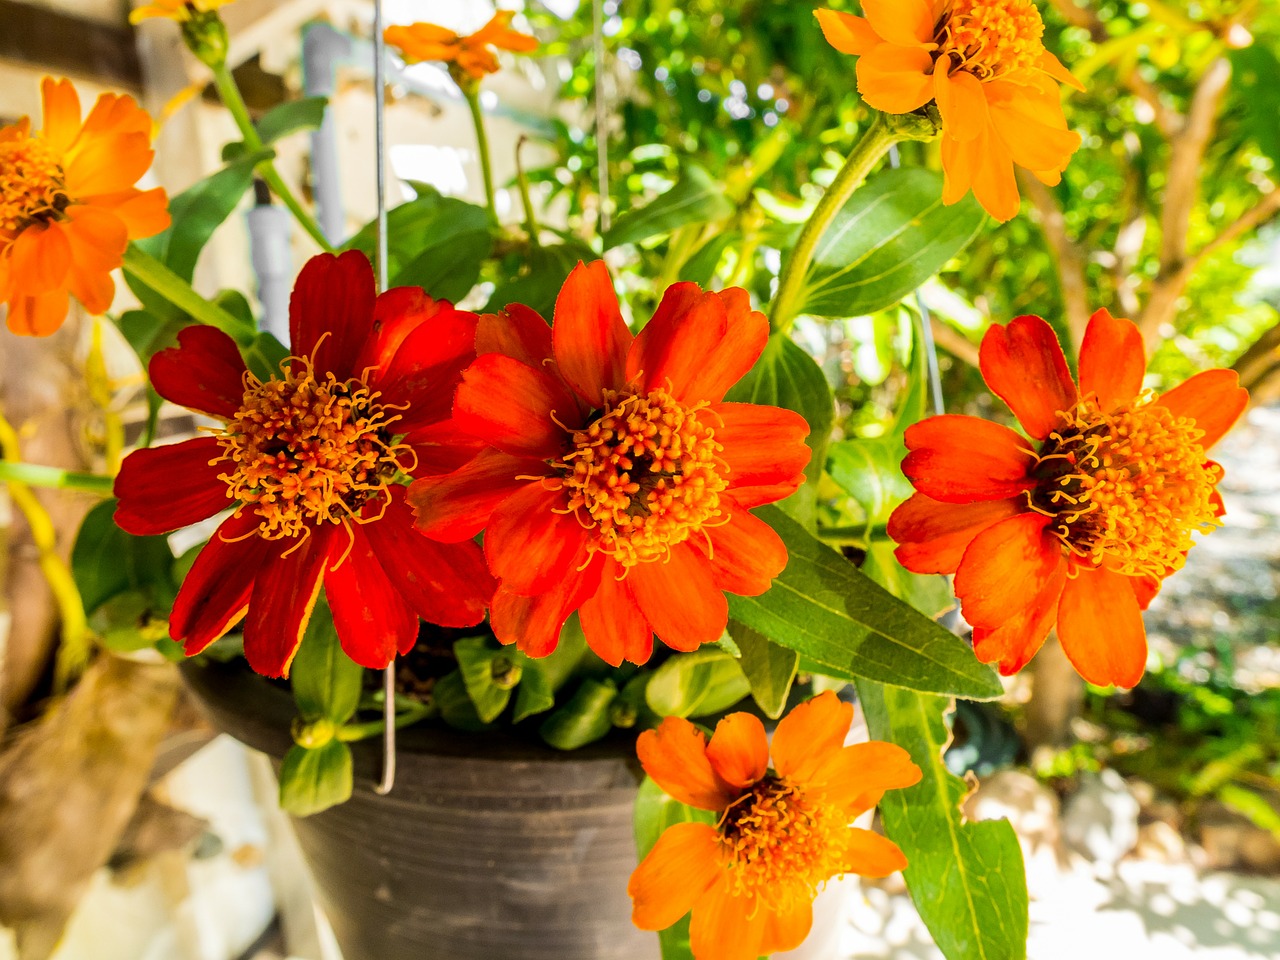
x: 177, y: 10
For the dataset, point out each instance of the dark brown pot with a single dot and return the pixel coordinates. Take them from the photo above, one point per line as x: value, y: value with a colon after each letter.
x: 488, y: 848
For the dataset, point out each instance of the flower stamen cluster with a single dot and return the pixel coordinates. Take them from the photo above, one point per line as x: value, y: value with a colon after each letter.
x: 1126, y: 487
x: 645, y: 475
x: 32, y: 185
x: 991, y: 38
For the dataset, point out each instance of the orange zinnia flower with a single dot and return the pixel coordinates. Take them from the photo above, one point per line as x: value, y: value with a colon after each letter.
x: 617, y: 482
x: 1080, y: 524
x: 982, y: 61
x: 467, y: 57
x: 751, y: 879
x: 68, y: 205
x: 176, y: 10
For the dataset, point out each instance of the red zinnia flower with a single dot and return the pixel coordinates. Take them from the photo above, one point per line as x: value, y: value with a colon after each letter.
x: 616, y: 482
x: 310, y: 462
x: 1080, y: 524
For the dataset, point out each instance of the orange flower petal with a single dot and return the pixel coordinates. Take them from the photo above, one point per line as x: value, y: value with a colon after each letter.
x: 763, y: 446
x: 1024, y: 366
x: 674, y: 755
x: 933, y: 535
x: 1214, y: 399
x: 856, y: 777
x: 38, y: 315
x: 680, y: 868
x: 895, y: 79
x: 847, y: 33
x: 786, y: 925
x: 688, y: 327
x: 530, y: 542
x: 612, y: 623
x: 1100, y: 626
x: 61, y: 123
x: 1014, y: 641
x: 871, y: 855
x: 517, y: 331
x: 906, y: 22
x: 590, y: 337
x: 739, y: 750
x: 680, y: 598
x: 144, y: 212
x: 41, y: 257
x: 1054, y: 68
x: 1112, y: 360
x: 107, y: 163
x: 511, y: 406
x: 810, y: 734
x: 962, y: 103
x: 746, y: 553
x: 456, y: 506
x: 1033, y: 137
x: 533, y: 624
x: 725, y: 927
x: 1006, y: 568
x: 959, y: 459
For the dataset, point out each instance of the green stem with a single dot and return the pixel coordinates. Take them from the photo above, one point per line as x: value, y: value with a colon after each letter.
x: 866, y: 153
x: 229, y: 91
x: 482, y: 144
x: 363, y: 731
x: 55, y: 478
x: 531, y: 219
x: 154, y: 274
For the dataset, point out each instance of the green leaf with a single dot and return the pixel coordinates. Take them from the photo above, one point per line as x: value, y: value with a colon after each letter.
x: 930, y: 593
x: 315, y: 780
x: 654, y: 813
x: 456, y: 709
x: 427, y: 221
x: 769, y: 668
x: 696, y: 684
x: 1254, y: 70
x: 584, y: 719
x: 827, y: 611
x: 868, y: 469
x: 892, y: 235
x: 967, y: 879
x: 695, y: 198
x: 264, y: 356
x: 786, y: 376
x: 475, y: 663
x: 326, y: 682
x: 449, y: 269
x: 534, y: 694
x: 701, y: 267
x: 1253, y: 805
x: 292, y: 117
x: 543, y: 272
x: 106, y: 561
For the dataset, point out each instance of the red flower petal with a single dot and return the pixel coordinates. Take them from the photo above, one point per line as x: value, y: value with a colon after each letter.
x: 427, y: 368
x: 456, y: 506
x: 284, y: 594
x: 746, y: 554
x: 510, y: 405
x: 164, y: 488
x: 529, y: 545
x: 372, y: 619
x: 680, y: 598
x: 1006, y: 567
x: 396, y: 314
x: 441, y: 448
x: 215, y: 593
x: 1024, y: 366
x: 589, y: 335
x: 1213, y: 399
x: 1112, y: 360
x: 446, y: 583
x: 518, y: 332
x: 533, y: 624
x: 934, y: 535
x: 1012, y: 643
x: 958, y: 459
x: 764, y: 447
x: 333, y: 296
x: 203, y: 372
x: 612, y: 622
x: 1100, y: 626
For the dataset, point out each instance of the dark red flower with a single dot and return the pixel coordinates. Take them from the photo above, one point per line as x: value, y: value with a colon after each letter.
x: 310, y: 463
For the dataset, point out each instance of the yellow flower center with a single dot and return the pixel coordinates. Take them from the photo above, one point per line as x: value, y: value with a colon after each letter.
x: 1126, y: 487
x: 645, y: 475
x: 32, y: 185
x: 306, y: 450
x: 991, y: 38
x: 780, y: 842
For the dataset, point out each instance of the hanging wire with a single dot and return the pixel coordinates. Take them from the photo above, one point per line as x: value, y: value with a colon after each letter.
x: 926, y: 330
x: 602, y: 130
x: 380, y: 179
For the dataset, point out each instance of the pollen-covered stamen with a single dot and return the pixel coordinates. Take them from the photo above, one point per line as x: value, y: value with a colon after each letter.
x: 1126, y: 487
x: 644, y: 475
x: 32, y: 184
x: 991, y: 38
x: 781, y: 841
x: 306, y: 450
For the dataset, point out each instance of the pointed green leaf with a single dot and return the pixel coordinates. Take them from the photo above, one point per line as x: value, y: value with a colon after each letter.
x: 316, y: 779
x: 326, y: 682
x: 695, y: 198
x: 967, y: 879
x: 769, y: 668
x: 823, y: 608
x: 475, y: 663
x: 867, y: 469
x: 584, y: 719
x: 292, y: 117
x: 449, y: 269
x: 106, y: 561
x: 534, y: 694
x: 696, y: 684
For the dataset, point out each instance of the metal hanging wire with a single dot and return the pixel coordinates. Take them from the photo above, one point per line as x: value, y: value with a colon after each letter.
x: 602, y: 130
x: 380, y: 180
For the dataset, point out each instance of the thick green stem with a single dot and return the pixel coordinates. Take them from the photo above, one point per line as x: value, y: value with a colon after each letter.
x: 866, y: 153
x: 154, y: 274
x: 55, y: 478
x: 531, y: 219
x: 482, y: 145
x: 228, y: 90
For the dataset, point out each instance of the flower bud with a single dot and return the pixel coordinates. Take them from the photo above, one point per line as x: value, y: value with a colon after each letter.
x: 315, y: 734
x: 206, y: 36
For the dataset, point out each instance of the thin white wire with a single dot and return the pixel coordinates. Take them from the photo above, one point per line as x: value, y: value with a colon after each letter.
x: 380, y: 136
